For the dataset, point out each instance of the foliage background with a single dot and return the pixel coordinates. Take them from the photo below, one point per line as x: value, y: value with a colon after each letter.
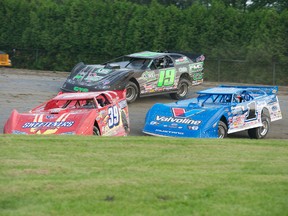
x: 57, y: 34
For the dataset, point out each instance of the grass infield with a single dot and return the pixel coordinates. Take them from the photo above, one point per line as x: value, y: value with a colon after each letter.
x: 76, y: 175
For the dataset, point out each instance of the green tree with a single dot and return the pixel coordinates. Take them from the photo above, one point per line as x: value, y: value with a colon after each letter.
x: 268, y: 38
x: 14, y: 20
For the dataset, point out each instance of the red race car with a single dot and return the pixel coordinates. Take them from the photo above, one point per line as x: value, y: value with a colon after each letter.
x: 103, y: 113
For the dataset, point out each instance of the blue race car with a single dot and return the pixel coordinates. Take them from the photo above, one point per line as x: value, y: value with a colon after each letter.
x: 217, y: 112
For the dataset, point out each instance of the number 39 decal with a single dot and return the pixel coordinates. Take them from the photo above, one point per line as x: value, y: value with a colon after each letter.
x: 113, y: 113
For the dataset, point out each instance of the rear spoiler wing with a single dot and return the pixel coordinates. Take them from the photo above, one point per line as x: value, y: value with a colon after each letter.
x: 268, y: 89
x: 195, y: 57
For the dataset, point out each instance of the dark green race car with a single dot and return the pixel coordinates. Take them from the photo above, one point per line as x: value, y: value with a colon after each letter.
x: 141, y: 74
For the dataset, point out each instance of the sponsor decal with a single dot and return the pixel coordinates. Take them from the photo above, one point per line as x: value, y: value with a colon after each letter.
x: 78, y: 76
x: 148, y: 87
x: 169, y: 88
x: 170, y: 132
x: 197, y: 76
x: 18, y: 132
x: 193, y: 127
x: 122, y: 104
x: 48, y: 124
x: 79, y: 89
x: 149, y: 76
x: 178, y: 111
x: 178, y: 120
x: 40, y: 127
x: 154, y: 123
x: 183, y: 69
x: 68, y: 133
x: 92, y: 78
x: 196, y: 67
x: 274, y: 108
x: 50, y: 116
x: 181, y: 60
x: 261, y: 103
x: 174, y: 125
x: 238, y: 110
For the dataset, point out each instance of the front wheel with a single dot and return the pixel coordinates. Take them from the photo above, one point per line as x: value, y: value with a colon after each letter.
x: 125, y: 122
x: 260, y: 132
x: 96, y: 131
x: 222, y: 130
x: 183, y: 88
x: 131, y: 92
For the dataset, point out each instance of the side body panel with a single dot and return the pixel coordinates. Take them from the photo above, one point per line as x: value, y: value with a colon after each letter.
x: 180, y: 121
x: 167, y: 79
x: 248, y: 114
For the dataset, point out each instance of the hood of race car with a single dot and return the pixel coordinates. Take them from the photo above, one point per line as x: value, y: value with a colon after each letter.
x: 183, y: 119
x: 53, y: 122
x: 96, y: 77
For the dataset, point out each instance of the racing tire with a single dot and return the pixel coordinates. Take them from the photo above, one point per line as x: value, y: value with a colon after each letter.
x: 222, y: 130
x: 125, y: 122
x: 183, y: 89
x: 132, y: 92
x: 260, y: 132
x: 96, y: 131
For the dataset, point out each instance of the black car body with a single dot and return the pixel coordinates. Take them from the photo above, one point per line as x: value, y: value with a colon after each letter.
x: 142, y: 74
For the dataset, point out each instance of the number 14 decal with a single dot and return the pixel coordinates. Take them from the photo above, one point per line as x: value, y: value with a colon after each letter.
x: 113, y: 113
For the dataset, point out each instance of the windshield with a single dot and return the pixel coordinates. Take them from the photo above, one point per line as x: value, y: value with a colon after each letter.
x: 215, y: 99
x: 138, y: 63
x: 131, y: 62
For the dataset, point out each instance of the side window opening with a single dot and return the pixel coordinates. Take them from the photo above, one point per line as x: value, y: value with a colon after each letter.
x: 89, y: 104
x: 102, y: 100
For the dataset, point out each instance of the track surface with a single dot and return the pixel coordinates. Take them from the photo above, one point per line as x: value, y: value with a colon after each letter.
x: 25, y: 89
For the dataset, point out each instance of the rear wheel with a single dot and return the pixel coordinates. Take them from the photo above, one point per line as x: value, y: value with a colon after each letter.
x: 96, y: 131
x: 222, y: 130
x: 131, y: 92
x: 260, y: 132
x: 183, y: 88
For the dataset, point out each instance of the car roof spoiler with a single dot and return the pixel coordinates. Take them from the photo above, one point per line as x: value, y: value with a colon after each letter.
x: 268, y: 89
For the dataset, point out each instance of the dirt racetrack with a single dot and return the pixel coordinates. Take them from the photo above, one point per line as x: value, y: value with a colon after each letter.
x: 24, y: 89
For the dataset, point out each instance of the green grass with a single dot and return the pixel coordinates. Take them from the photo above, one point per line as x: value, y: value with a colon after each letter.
x: 74, y: 175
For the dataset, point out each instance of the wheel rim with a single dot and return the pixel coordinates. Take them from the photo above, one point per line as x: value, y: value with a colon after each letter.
x: 221, y: 132
x: 264, y: 128
x: 130, y: 92
x: 183, y: 90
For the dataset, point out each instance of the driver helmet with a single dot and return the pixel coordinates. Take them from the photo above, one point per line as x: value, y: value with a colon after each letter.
x: 238, y: 98
x: 163, y: 62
